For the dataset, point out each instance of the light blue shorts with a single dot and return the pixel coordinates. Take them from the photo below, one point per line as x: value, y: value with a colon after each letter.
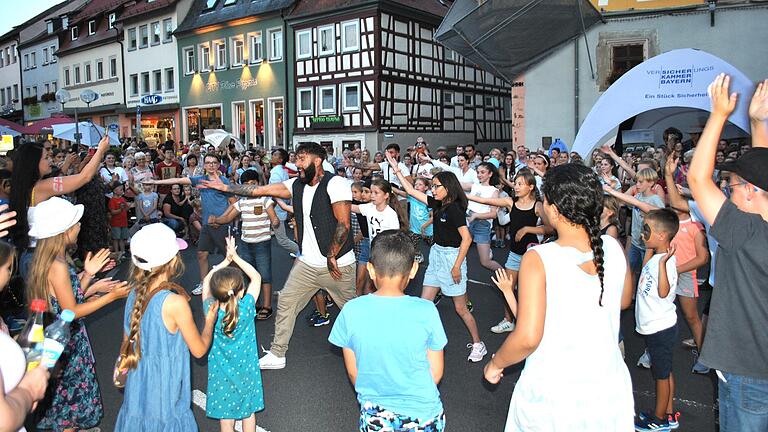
x: 365, y: 251
x: 438, y: 274
x: 513, y: 261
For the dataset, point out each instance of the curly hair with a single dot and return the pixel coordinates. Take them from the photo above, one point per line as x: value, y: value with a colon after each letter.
x: 576, y: 192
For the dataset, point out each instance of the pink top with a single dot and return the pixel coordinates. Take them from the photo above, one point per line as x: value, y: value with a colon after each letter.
x: 685, y: 246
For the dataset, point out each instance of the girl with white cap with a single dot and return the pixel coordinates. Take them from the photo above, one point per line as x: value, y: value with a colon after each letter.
x: 76, y: 402
x: 159, y: 335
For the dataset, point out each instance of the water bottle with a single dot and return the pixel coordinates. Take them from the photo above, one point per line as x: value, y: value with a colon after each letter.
x: 56, y: 338
x: 32, y: 335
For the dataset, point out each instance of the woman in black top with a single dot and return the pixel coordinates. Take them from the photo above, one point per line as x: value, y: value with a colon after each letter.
x: 176, y: 209
x: 447, y: 269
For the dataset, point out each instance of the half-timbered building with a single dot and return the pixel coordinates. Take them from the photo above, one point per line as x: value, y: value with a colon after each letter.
x: 369, y: 72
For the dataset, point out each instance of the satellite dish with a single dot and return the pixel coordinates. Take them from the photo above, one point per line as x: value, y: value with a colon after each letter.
x: 63, y: 96
x: 88, y: 96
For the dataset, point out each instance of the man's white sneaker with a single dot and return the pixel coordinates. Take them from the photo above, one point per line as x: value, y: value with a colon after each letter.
x: 198, y: 289
x: 503, y: 326
x: 478, y: 352
x: 271, y: 361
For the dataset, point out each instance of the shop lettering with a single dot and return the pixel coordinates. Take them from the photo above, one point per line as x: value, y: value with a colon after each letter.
x: 230, y: 85
x: 107, y: 94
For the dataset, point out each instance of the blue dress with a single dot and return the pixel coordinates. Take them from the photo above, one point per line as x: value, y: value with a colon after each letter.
x: 76, y: 400
x: 158, y: 393
x: 234, y: 376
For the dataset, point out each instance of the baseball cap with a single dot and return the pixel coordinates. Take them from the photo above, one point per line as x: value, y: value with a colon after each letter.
x: 154, y: 245
x: 751, y: 166
x: 53, y: 217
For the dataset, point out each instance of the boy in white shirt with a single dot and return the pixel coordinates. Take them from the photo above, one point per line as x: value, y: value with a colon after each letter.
x: 656, y: 315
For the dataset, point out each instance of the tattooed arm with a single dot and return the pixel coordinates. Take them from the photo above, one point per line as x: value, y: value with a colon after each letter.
x: 277, y: 190
x: 341, y: 211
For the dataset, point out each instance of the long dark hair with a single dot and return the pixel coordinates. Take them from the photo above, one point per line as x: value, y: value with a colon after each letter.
x: 453, y: 189
x: 576, y: 192
x: 25, y: 174
x: 494, y: 180
x: 393, y: 202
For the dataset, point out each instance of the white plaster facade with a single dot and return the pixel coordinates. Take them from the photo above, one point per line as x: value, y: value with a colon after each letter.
x: 74, y: 75
x: 10, y: 76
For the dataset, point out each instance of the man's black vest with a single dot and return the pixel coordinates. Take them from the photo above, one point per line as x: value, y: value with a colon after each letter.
x: 321, y: 216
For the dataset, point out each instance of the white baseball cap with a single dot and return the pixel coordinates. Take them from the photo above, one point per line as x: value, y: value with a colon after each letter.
x: 53, y: 217
x: 154, y: 245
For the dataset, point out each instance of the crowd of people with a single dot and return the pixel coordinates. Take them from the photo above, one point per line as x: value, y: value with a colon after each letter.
x: 585, y: 239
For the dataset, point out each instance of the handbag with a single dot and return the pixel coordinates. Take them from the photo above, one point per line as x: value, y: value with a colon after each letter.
x: 503, y: 216
x: 120, y: 371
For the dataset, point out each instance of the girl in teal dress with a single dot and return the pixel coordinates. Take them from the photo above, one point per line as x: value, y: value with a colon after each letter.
x: 234, y: 377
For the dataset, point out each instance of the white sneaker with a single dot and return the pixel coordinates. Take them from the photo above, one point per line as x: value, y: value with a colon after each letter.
x: 271, y: 361
x: 503, y: 326
x: 644, y: 360
x: 198, y: 289
x: 478, y: 352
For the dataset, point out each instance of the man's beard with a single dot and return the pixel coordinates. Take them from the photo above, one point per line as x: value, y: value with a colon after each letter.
x: 307, y: 174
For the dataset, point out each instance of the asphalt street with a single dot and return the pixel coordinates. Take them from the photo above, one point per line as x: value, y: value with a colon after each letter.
x: 313, y: 393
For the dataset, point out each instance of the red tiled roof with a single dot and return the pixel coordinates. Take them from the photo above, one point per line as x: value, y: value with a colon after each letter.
x: 310, y: 7
x: 142, y: 7
x: 96, y: 7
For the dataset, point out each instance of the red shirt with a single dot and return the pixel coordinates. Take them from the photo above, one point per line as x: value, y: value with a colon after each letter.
x: 119, y: 220
x: 165, y: 171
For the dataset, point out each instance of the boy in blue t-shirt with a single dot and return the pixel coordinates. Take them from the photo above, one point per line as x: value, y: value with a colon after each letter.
x: 393, y: 344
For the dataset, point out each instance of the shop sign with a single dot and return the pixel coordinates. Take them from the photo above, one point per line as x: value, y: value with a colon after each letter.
x: 241, y: 84
x: 326, y: 122
x: 34, y: 110
x: 6, y: 143
x: 151, y: 99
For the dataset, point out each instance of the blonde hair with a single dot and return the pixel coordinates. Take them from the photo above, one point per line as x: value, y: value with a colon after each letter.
x: 142, y: 280
x: 612, y: 204
x: 46, y: 252
x: 647, y: 174
x: 226, y: 285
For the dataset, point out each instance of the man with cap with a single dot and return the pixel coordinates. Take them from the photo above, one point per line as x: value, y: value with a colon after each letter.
x: 736, y: 343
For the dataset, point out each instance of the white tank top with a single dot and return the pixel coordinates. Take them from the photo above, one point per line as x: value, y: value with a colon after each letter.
x: 479, y: 190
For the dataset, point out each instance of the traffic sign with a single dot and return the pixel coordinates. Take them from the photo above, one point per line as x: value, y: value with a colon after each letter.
x: 151, y: 99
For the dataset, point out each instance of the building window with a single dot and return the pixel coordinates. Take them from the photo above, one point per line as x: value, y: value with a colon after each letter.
x: 143, y: 36
x: 350, y: 36
x: 170, y: 81
x: 256, y: 54
x: 305, y: 101
x: 450, y: 55
x: 99, y: 69
x: 624, y: 58
x: 205, y: 58
x: 16, y: 91
x: 67, y: 81
x: 52, y: 50
x: 447, y: 98
x: 2, y: 58
x: 2, y: 96
x: 275, y: 45
x: 210, y: 4
x: 220, y: 54
x: 156, y: 33
x: 189, y: 61
x: 64, y: 22
x: 326, y: 40
x: 145, y: 90
x: 304, y: 44
x: 33, y: 59
x: 158, y: 78
x: 92, y: 27
x: 132, y: 41
x: 351, y: 97
x: 237, y: 50
x: 327, y: 100
x: 49, y: 27
x: 168, y: 30
x: 88, y: 75
x: 113, y: 67
x: 54, y: 87
x: 134, y: 85
x: 47, y: 88
x: 45, y: 56
x: 75, y: 33
x: 112, y: 18
x: 77, y: 74
x: 229, y: 2
x: 26, y: 61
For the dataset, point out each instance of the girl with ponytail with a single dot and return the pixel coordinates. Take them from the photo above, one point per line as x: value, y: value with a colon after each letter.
x: 384, y: 212
x: 570, y: 295
x: 234, y: 377
x: 160, y: 333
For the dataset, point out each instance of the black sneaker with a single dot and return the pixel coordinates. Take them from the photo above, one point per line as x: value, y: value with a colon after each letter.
x: 321, y: 320
x: 470, y: 306
x: 329, y: 301
x: 438, y: 297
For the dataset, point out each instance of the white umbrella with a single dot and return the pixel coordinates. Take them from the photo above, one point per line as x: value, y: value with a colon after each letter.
x: 221, y: 138
x: 91, y: 133
x: 5, y: 130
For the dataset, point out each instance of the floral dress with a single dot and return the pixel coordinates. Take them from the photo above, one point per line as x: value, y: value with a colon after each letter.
x: 75, y: 400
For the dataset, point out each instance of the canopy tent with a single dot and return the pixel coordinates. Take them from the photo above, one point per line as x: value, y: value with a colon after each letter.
x: 676, y: 79
x: 46, y: 125
x: 506, y: 37
x: 19, y: 129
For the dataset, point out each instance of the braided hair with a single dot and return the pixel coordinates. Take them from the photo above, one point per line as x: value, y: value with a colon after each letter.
x: 576, y: 192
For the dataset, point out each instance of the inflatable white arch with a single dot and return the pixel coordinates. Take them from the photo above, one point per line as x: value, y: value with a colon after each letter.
x: 677, y: 78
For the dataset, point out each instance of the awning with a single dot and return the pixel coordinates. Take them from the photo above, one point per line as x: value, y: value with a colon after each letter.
x: 46, y: 125
x: 506, y: 37
x: 19, y: 129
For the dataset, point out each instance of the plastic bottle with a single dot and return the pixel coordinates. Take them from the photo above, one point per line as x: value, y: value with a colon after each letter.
x: 32, y: 335
x: 56, y: 338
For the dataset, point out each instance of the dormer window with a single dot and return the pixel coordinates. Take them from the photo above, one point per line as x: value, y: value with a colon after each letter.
x: 112, y: 18
x: 49, y: 27
x: 92, y: 27
x: 210, y: 4
x: 64, y: 22
x: 75, y: 33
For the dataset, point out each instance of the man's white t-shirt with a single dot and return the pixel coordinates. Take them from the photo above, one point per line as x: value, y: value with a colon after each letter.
x: 379, y: 221
x: 423, y: 170
x: 653, y: 313
x: 389, y: 175
x: 338, y: 190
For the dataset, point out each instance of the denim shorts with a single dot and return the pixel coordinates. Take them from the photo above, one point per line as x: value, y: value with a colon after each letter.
x: 660, y: 346
x: 365, y: 251
x: 438, y: 274
x: 258, y: 255
x: 687, y: 285
x: 513, y: 261
x: 374, y: 418
x: 635, y: 257
x: 119, y: 233
x: 481, y: 231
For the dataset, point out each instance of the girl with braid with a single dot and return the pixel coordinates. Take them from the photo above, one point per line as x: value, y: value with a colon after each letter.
x: 570, y: 293
x: 160, y: 333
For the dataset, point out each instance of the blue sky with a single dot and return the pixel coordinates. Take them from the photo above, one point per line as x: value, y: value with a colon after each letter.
x: 14, y: 13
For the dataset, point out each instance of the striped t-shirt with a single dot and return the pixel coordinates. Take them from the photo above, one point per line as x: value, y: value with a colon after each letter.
x: 256, y: 224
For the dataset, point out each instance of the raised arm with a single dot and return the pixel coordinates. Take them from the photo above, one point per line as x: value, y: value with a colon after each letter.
x: 409, y: 189
x: 629, y: 199
x: 55, y: 186
x: 758, y: 115
x: 172, y: 181
x: 277, y: 190
x: 676, y: 200
x: 494, y: 201
x: 621, y: 162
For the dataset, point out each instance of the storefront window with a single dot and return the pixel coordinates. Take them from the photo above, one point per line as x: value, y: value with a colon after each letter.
x: 155, y: 129
x: 257, y: 122
x: 199, y: 119
x: 276, y: 123
x: 238, y: 120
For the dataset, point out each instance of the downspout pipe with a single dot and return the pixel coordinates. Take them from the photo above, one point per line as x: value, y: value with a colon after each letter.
x: 286, y: 108
x: 575, y: 87
x: 21, y: 78
x: 122, y: 63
